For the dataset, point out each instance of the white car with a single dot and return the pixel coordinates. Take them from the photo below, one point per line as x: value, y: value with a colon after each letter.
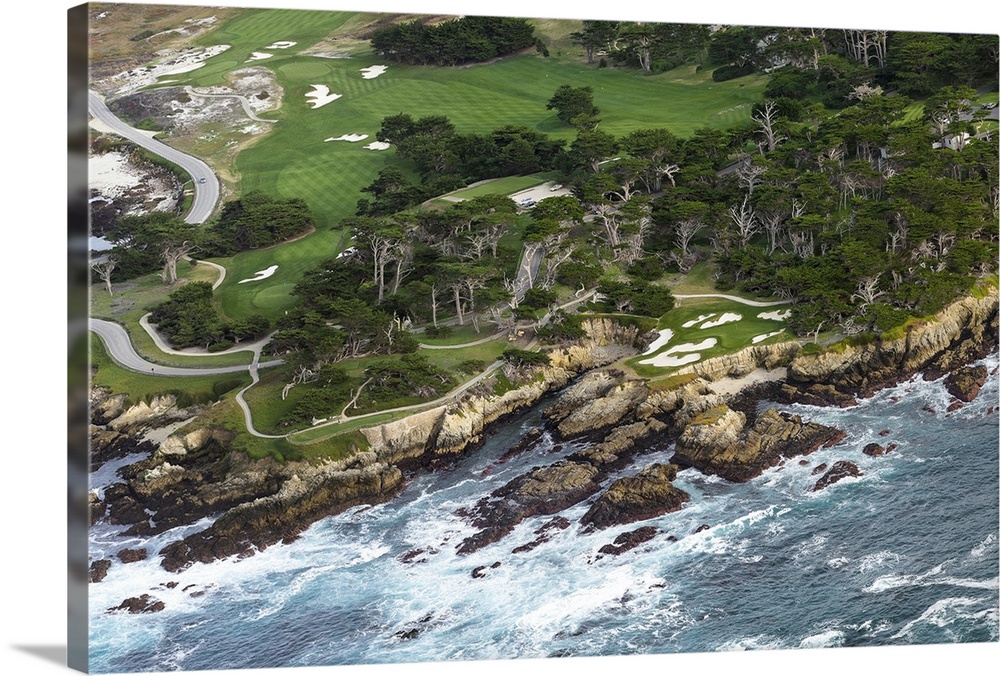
x: 349, y: 251
x: 527, y: 202
x: 557, y: 186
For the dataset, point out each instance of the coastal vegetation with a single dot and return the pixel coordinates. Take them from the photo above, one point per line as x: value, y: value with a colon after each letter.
x: 803, y: 172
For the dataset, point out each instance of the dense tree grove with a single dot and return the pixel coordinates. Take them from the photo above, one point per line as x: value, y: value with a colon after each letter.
x: 189, y: 319
x: 446, y: 159
x: 256, y: 220
x: 868, y: 206
x: 160, y: 240
x: 453, y: 42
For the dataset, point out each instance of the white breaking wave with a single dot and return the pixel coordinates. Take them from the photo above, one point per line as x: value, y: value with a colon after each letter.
x: 941, y: 614
x: 983, y: 548
x: 872, y: 562
x: 826, y: 639
x: 931, y: 577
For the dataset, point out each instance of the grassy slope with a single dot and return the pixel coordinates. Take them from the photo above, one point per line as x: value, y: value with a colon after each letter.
x: 141, y: 387
x: 133, y: 299
x: 293, y: 160
x: 731, y: 337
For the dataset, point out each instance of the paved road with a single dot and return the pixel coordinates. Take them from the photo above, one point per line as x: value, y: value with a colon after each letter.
x: 120, y: 348
x: 206, y: 185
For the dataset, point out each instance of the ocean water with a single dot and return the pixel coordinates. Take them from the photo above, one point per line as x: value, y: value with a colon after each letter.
x: 907, y: 553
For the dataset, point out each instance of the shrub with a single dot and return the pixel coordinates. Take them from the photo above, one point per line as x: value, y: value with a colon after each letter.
x: 724, y: 73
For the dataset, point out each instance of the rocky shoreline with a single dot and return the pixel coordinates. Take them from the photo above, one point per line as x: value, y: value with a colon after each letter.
x: 615, y: 415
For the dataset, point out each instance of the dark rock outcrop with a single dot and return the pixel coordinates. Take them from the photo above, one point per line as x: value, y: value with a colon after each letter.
x: 629, y: 540
x: 873, y: 449
x: 646, y: 495
x: 964, y: 383
x: 139, y: 604
x: 544, y: 534
x: 282, y: 516
x: 717, y: 442
x: 96, y: 507
x: 840, y: 470
x: 543, y: 490
x: 132, y: 555
x: 99, y: 569
x: 108, y: 445
x: 480, y: 571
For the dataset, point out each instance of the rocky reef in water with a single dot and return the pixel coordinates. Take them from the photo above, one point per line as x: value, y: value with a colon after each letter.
x: 610, y: 415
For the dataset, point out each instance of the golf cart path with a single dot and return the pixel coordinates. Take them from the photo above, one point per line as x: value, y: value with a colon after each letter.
x: 242, y: 99
x: 121, y: 350
x: 754, y: 303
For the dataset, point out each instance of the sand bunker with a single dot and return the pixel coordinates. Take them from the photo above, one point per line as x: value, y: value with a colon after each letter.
x: 281, y: 44
x: 776, y: 315
x: 693, y: 347
x: 321, y: 96
x: 724, y: 319
x: 353, y: 138
x: 665, y: 336
x: 664, y: 360
x: 258, y: 56
x: 701, y: 318
x: 377, y: 145
x: 260, y: 274
x: 667, y: 358
x: 373, y: 72
x: 764, y: 336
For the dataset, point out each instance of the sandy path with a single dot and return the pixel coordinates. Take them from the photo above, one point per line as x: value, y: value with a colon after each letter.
x: 754, y: 303
x: 244, y: 101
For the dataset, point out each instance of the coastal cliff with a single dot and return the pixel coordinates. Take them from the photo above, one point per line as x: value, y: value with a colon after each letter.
x: 261, y: 502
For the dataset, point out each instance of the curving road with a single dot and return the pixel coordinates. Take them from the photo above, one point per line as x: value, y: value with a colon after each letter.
x: 242, y: 99
x: 116, y: 339
x: 206, y: 185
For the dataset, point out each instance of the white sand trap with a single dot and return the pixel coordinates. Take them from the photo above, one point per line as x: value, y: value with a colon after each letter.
x: 665, y: 336
x: 353, y: 138
x: 259, y: 56
x: 665, y: 360
x: 693, y: 347
x: 776, y: 315
x: 373, y: 72
x: 321, y: 96
x: 764, y: 336
x: 260, y: 274
x: 701, y: 318
x: 724, y: 319
x: 377, y: 145
x: 281, y: 44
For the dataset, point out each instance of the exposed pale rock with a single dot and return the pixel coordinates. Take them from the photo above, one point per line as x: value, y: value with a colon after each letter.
x: 605, y: 411
x: 717, y: 443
